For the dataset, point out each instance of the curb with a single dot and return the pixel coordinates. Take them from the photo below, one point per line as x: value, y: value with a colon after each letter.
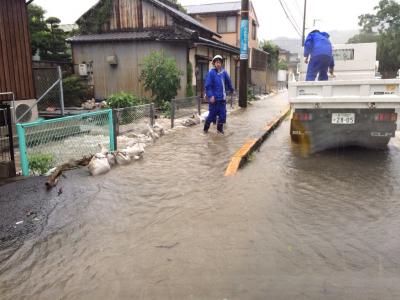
x: 251, y: 145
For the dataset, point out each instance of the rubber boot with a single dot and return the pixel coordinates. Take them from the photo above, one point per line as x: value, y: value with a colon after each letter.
x: 220, y: 128
x: 206, y: 127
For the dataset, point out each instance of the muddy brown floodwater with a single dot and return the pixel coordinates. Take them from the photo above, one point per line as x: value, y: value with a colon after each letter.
x: 288, y: 226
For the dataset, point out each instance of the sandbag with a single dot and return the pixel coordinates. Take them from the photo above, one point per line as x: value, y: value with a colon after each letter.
x: 158, y: 129
x: 135, y: 150
x: 103, y: 149
x: 191, y: 121
x: 204, y: 116
x: 150, y: 133
x: 99, y: 165
x: 111, y: 159
x: 122, y: 158
x: 124, y: 141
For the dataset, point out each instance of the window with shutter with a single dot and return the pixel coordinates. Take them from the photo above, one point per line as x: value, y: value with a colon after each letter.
x: 226, y: 24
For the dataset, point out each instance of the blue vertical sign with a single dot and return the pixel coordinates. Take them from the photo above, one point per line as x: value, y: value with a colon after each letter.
x: 244, y: 39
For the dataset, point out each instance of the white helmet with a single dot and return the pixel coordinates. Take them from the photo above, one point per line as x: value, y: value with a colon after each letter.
x: 219, y: 57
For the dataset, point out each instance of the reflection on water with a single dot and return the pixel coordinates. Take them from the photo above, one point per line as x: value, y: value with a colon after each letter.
x: 172, y: 227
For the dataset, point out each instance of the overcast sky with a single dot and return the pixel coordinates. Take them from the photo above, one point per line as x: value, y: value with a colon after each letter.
x: 329, y: 14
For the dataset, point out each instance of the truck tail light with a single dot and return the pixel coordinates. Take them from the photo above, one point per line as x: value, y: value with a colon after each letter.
x: 386, y: 117
x: 302, y: 116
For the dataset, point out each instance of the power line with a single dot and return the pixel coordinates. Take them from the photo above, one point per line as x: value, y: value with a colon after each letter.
x: 299, y: 10
x: 291, y: 15
x: 290, y: 20
x: 294, y: 5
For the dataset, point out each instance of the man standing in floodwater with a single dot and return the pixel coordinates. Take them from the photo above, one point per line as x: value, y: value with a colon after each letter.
x: 217, y: 83
x: 319, y: 47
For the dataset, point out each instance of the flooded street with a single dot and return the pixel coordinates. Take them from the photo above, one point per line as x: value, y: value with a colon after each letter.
x: 288, y: 226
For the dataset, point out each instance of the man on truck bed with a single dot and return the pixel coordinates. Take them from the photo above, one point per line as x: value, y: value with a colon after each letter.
x: 318, y: 46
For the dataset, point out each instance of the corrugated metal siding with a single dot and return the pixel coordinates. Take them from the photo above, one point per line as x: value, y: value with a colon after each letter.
x: 125, y: 76
x: 15, y: 51
x: 136, y: 14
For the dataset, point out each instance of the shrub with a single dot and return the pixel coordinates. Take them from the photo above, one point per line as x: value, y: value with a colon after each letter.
x: 122, y: 100
x: 161, y: 76
x: 250, y: 94
x: 282, y: 65
x: 165, y: 108
x: 75, y: 90
x: 41, y: 163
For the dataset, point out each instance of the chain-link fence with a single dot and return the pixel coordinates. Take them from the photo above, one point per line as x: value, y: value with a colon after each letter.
x: 184, y: 107
x: 49, y: 90
x: 282, y: 85
x: 133, y: 119
x: 258, y: 90
x: 272, y: 80
x: 233, y: 100
x: 45, y: 144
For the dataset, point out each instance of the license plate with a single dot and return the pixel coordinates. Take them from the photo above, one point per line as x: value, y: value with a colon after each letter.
x: 343, y: 118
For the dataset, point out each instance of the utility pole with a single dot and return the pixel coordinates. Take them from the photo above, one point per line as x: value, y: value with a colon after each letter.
x: 304, y: 23
x: 244, y: 53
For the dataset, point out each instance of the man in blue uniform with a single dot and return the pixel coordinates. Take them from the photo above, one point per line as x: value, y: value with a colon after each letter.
x: 318, y: 46
x: 217, y: 83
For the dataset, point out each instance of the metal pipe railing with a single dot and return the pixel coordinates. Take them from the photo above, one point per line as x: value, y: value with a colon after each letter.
x: 13, y: 103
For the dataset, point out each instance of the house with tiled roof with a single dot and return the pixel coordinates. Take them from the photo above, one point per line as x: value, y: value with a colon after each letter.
x: 224, y: 19
x: 118, y: 34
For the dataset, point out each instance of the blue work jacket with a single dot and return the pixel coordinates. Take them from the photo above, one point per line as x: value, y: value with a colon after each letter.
x: 317, y: 43
x: 217, y: 83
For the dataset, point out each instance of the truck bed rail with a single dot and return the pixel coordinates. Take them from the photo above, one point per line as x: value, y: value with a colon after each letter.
x: 367, y: 93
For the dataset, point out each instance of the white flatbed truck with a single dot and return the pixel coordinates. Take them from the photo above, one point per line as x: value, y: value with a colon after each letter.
x: 356, y: 108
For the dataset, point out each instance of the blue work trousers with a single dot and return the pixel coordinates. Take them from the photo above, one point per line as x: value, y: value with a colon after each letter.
x: 217, y: 109
x: 318, y: 65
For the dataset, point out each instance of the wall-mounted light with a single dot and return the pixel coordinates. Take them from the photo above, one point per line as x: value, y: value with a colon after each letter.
x: 112, y: 60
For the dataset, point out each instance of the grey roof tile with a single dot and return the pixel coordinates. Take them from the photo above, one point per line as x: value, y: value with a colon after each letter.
x: 164, y: 35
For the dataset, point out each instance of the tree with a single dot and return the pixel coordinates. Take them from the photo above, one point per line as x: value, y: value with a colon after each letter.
x: 161, y: 76
x: 176, y: 4
x: 93, y: 20
x: 57, y: 47
x: 282, y: 65
x: 180, y: 7
x: 46, y: 35
x: 364, y: 37
x: 273, y: 57
x: 37, y: 27
x: 384, y: 28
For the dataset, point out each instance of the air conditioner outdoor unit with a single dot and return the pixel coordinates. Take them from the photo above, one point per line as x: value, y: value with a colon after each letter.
x: 21, y: 106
